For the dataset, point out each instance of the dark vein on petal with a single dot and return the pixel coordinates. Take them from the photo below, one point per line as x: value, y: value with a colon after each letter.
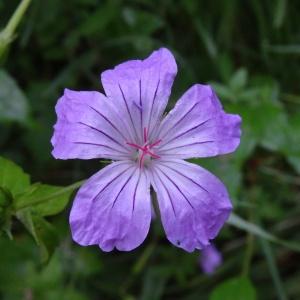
x: 116, y: 198
x: 183, y: 146
x: 110, y: 182
x: 126, y: 104
x: 182, y: 118
x: 134, y: 194
x: 141, y: 110
x: 187, y: 131
x: 107, y: 135
x: 170, y: 199
x: 152, y: 104
x: 106, y: 185
x: 108, y: 121
x: 161, y: 163
x: 178, y: 188
x: 100, y: 145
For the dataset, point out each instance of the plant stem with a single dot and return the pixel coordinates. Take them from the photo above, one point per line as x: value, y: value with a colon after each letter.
x: 248, y: 254
x: 15, y: 19
x: 250, y: 242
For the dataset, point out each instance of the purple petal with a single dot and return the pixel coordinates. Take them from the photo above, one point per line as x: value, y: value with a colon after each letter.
x: 210, y: 259
x: 113, y: 208
x: 140, y: 89
x: 88, y: 127
x: 194, y: 204
x: 198, y: 126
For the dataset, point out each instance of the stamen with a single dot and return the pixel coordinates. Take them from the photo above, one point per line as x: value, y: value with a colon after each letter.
x: 136, y: 146
x: 152, y: 154
x: 145, y: 149
x: 145, y: 135
x: 154, y: 144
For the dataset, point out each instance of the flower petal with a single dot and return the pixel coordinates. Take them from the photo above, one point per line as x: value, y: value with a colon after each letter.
x: 194, y: 204
x: 113, y: 209
x: 198, y: 126
x: 140, y: 89
x: 88, y: 127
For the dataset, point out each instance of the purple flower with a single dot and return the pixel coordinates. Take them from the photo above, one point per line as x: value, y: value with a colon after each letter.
x: 113, y: 208
x: 210, y: 259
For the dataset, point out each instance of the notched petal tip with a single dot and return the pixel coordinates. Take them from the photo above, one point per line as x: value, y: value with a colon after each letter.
x: 112, y: 209
x: 132, y: 69
x: 194, y: 204
x: 164, y: 57
x: 139, y: 90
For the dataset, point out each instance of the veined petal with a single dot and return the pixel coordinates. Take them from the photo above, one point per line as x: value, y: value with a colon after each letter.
x: 88, y: 127
x: 198, y: 126
x: 140, y: 89
x: 113, y: 209
x: 193, y: 203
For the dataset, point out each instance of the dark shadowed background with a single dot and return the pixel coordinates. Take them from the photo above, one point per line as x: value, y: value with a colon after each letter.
x: 249, y: 51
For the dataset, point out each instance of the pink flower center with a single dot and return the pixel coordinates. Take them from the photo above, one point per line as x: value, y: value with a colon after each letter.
x: 145, y: 150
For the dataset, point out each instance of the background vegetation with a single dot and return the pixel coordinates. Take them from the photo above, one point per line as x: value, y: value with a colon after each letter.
x: 249, y: 50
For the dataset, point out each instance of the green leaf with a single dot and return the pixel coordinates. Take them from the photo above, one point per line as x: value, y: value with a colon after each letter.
x: 246, y: 147
x: 265, y: 121
x: 239, y: 79
x: 274, y: 125
x: 279, y: 13
x: 229, y: 168
x: 292, y: 148
x: 43, y: 232
x: 13, y: 103
x: 5, y: 197
x: 292, y: 49
x: 12, y: 177
x: 141, y: 21
x: 295, y: 162
x: 240, y: 223
x: 99, y: 19
x: 25, y: 217
x: 46, y: 200
x: 206, y: 37
x: 5, y: 212
x: 153, y: 285
x: 223, y: 91
x: 47, y: 237
x: 71, y: 294
x: 51, y: 276
x: 239, y: 288
x: 226, y: 169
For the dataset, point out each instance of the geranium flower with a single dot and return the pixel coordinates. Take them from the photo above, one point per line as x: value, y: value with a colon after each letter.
x: 113, y: 208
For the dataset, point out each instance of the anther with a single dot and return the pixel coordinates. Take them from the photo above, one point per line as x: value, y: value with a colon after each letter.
x: 145, y: 149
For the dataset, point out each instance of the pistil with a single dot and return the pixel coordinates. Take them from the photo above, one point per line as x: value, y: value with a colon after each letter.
x: 145, y: 149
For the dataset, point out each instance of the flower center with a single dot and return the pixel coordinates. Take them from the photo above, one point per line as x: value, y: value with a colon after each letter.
x: 145, y: 152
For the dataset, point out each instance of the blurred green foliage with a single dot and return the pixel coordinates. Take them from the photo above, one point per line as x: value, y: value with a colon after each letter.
x: 248, y: 50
